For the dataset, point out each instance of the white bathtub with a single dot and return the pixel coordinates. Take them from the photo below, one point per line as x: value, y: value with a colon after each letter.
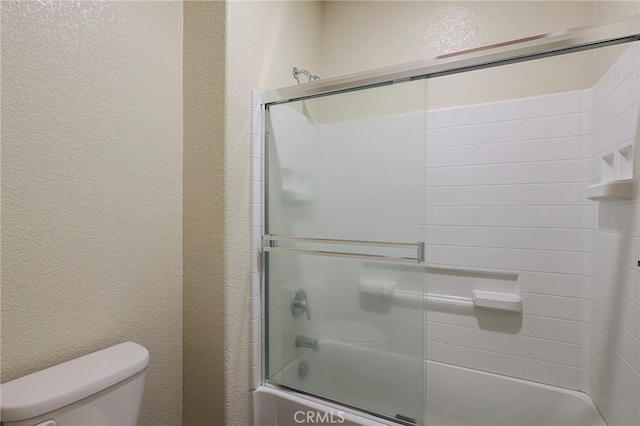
x: 281, y: 407
x: 455, y: 396
x: 464, y: 397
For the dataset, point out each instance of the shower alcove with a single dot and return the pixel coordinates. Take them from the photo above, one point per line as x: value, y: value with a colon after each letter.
x: 440, y: 261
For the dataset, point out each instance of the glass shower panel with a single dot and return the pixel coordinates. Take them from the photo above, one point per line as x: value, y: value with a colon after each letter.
x: 344, y: 269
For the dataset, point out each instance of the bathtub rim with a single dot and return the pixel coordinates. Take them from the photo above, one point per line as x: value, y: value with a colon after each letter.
x: 354, y: 413
x: 573, y: 392
x: 358, y: 414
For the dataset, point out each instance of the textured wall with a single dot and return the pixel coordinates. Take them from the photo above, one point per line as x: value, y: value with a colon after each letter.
x: 204, y: 308
x: 364, y: 35
x: 359, y: 36
x: 265, y: 40
x: 92, y: 187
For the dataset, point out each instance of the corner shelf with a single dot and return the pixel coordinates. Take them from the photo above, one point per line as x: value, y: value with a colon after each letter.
x: 617, y: 176
x: 615, y: 190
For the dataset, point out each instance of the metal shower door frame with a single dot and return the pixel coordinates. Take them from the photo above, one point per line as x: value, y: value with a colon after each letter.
x: 605, y: 33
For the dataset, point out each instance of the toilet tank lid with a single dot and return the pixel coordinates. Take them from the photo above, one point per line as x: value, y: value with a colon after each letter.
x: 66, y: 383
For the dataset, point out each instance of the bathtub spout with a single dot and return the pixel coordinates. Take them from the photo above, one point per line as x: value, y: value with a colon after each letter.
x: 307, y: 342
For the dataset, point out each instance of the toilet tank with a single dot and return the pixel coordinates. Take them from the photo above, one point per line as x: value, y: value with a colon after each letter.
x: 103, y: 388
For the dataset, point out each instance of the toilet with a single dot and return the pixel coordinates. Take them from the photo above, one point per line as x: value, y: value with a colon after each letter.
x: 103, y: 388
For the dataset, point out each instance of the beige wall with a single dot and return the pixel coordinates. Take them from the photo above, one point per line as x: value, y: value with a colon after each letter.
x: 363, y: 35
x: 92, y: 187
x: 204, y: 213
x: 92, y: 165
x: 614, y: 9
x: 265, y: 40
x: 230, y: 49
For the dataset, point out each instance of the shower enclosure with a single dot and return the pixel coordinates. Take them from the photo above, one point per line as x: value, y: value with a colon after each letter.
x: 413, y: 220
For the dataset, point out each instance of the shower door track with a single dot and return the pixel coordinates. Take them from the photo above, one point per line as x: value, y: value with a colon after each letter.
x: 597, y: 35
x: 307, y: 394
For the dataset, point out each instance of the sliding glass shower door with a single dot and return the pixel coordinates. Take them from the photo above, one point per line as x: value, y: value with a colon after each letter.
x: 344, y: 248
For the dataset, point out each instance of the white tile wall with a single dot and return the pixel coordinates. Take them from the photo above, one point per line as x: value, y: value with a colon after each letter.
x: 506, y: 191
x: 534, y: 219
x: 610, y: 352
x: 256, y: 316
x: 522, y: 214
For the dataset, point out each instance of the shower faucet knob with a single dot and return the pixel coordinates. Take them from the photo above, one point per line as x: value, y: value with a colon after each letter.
x: 299, y: 305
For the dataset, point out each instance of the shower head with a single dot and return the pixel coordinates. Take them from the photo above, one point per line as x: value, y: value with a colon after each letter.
x: 296, y: 73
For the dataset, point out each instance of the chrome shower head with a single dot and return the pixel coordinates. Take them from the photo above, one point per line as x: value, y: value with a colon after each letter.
x: 296, y: 73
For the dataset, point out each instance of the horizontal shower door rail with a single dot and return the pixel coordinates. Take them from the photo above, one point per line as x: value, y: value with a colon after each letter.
x: 605, y: 33
x: 268, y: 240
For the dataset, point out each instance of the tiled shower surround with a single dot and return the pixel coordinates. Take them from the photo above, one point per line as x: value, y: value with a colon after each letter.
x: 506, y: 191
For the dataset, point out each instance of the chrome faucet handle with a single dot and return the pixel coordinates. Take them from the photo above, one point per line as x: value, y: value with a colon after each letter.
x: 299, y: 305
x: 306, y: 309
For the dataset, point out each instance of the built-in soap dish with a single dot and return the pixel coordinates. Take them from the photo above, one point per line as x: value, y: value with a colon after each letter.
x: 617, y: 176
x: 497, y: 300
x: 295, y: 186
x: 296, y: 196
